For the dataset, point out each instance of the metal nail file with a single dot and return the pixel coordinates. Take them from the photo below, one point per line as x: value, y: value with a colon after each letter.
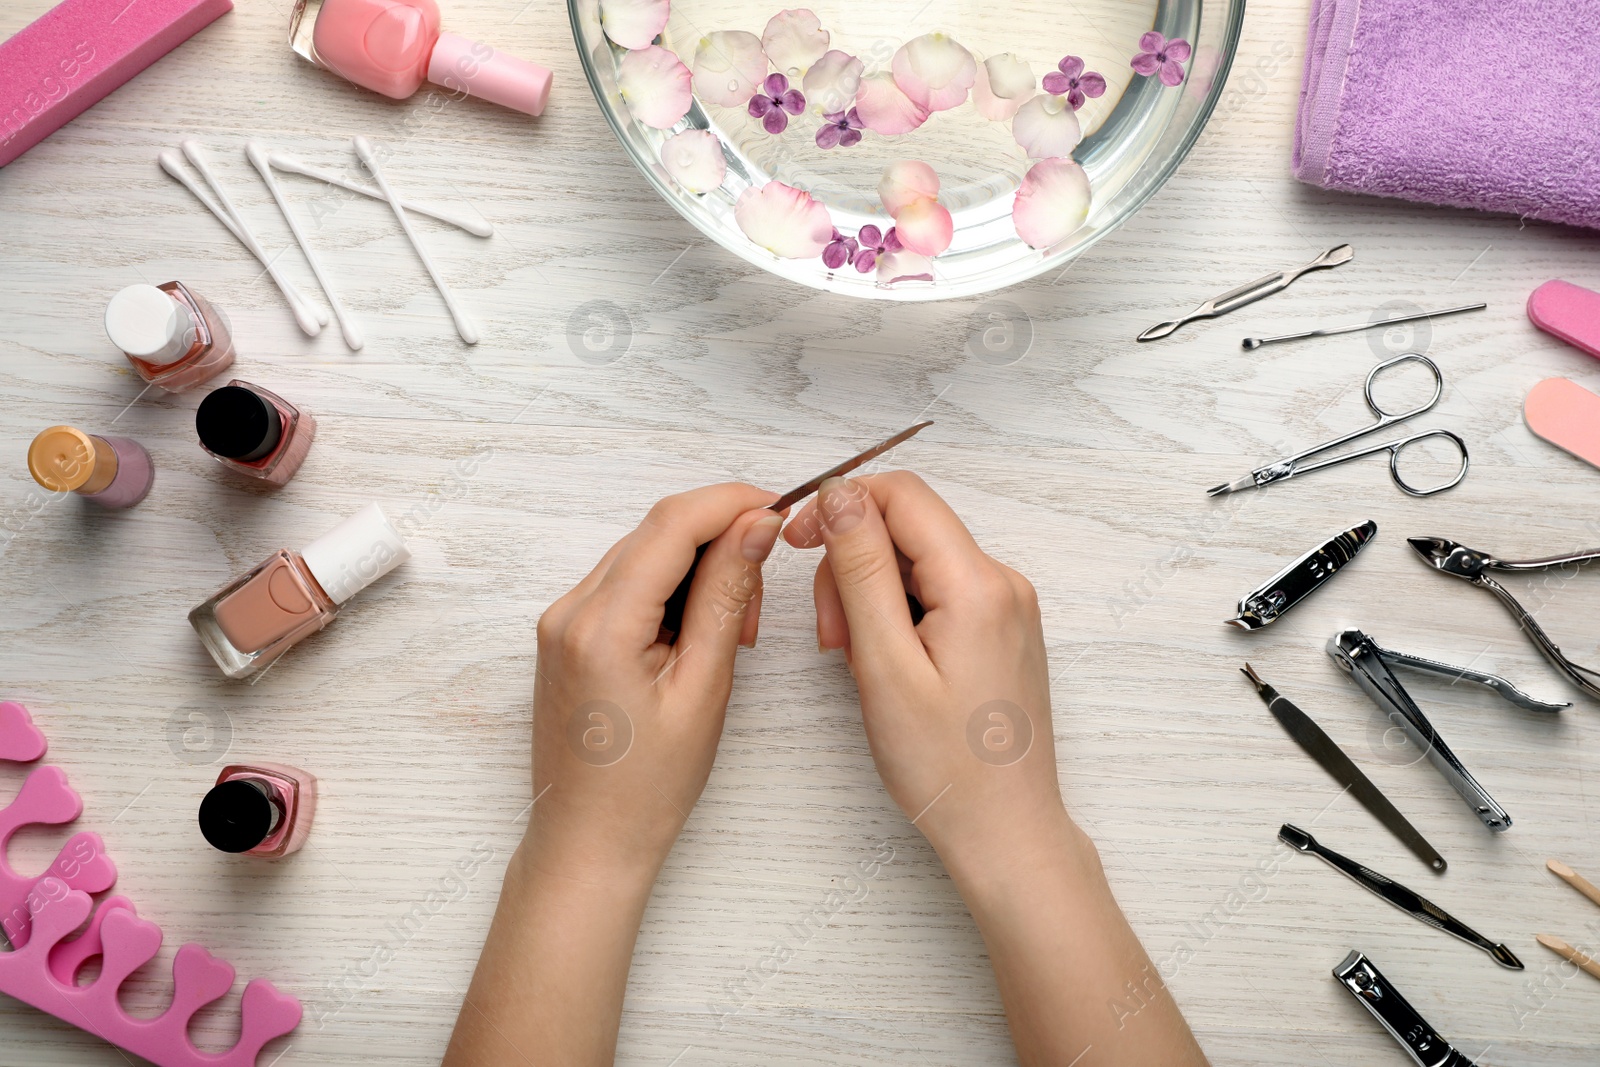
x: 1301, y: 578
x: 1412, y: 903
x: 1320, y: 747
x: 1367, y: 984
x: 1250, y: 292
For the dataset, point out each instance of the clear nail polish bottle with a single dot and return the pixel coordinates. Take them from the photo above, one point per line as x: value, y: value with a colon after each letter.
x: 254, y: 432
x: 114, y: 472
x: 171, y: 334
x: 259, y: 809
x: 254, y: 619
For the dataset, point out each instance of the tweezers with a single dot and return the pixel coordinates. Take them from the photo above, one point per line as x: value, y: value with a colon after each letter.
x: 1468, y: 564
x: 1368, y: 665
x: 1249, y: 293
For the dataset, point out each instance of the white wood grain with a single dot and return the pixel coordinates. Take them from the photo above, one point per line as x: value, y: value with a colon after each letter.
x: 1082, y: 464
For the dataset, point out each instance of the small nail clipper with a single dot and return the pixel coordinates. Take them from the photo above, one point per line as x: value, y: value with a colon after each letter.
x: 1300, y: 579
x: 1367, y: 663
x: 1250, y: 292
x: 1368, y: 985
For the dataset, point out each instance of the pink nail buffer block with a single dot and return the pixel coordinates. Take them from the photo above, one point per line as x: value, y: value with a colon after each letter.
x: 80, y: 50
x: 1568, y: 311
x: 1567, y: 415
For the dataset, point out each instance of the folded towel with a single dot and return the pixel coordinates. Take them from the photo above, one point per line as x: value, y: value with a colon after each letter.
x: 1459, y: 102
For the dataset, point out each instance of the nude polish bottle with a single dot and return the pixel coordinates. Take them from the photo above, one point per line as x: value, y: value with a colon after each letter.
x: 172, y: 335
x: 254, y: 432
x: 114, y: 472
x: 259, y: 809
x: 258, y: 617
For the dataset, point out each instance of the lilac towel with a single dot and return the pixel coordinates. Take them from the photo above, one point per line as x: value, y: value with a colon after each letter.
x: 1462, y: 102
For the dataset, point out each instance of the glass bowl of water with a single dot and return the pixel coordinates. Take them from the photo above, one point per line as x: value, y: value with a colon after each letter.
x: 907, y: 150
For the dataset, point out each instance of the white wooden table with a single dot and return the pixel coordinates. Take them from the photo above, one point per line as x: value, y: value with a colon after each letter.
x: 1082, y: 463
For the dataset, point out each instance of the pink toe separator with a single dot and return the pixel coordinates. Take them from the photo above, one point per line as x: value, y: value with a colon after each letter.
x: 37, y: 915
x: 1569, y: 312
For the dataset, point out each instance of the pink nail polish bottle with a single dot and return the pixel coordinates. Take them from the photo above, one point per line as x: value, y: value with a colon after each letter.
x: 393, y: 46
x: 254, y: 619
x: 259, y: 809
x: 114, y: 472
x: 254, y: 432
x: 172, y: 335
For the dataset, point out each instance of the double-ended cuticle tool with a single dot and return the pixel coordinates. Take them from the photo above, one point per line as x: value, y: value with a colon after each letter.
x: 1250, y: 292
x: 672, y: 616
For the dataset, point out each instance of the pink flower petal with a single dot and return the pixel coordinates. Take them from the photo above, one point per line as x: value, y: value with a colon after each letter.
x: 1071, y: 66
x: 934, y: 71
x: 829, y: 135
x: 925, y: 227
x: 1047, y: 126
x: 1171, y: 73
x: 694, y: 160
x: 1002, y: 85
x: 634, y: 23
x: 1052, y: 202
x: 1151, y: 41
x: 794, y: 40
x: 775, y: 121
x: 832, y: 82
x: 655, y: 86
x: 1092, y: 84
x: 885, y: 109
x: 1057, y: 83
x: 1145, y: 63
x: 729, y: 67
x: 1178, y: 50
x: 783, y: 220
x: 905, y: 183
x: 904, y: 266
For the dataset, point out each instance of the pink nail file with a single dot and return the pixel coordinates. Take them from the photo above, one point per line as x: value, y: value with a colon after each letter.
x: 1567, y: 415
x: 79, y: 51
x: 1570, y: 312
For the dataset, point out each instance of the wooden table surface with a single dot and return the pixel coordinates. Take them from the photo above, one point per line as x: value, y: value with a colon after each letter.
x: 1080, y: 460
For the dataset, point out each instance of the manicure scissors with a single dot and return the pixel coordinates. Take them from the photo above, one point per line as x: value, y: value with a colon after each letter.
x: 1293, y: 465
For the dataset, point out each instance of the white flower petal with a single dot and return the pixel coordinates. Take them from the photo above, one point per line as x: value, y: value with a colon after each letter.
x: 831, y: 84
x: 934, y: 71
x: 1046, y: 126
x: 794, y: 40
x: 885, y: 109
x: 904, y: 266
x: 634, y: 23
x: 905, y: 183
x: 924, y: 227
x: 1052, y: 202
x: 655, y: 86
x: 694, y: 160
x: 729, y: 66
x: 1004, y: 84
x: 783, y: 220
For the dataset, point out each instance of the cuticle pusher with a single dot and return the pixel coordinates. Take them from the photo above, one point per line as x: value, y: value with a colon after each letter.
x: 1249, y: 293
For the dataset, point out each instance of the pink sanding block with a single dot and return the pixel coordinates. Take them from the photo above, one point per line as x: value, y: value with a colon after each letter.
x: 1567, y: 415
x: 80, y: 50
x: 1568, y: 311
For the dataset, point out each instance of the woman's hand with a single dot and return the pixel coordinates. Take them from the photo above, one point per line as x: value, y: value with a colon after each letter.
x: 625, y: 729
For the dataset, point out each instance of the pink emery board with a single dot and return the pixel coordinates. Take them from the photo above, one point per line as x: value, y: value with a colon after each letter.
x: 79, y: 51
x: 1571, y: 313
x: 1567, y: 415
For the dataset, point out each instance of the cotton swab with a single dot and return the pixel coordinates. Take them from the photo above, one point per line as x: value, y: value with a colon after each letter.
x: 464, y: 325
x: 257, y: 155
x: 285, y: 162
x: 298, y: 305
x: 197, y: 158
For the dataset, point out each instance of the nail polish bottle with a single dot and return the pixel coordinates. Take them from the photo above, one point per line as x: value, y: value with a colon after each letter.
x: 393, y: 46
x: 254, y: 432
x: 172, y: 335
x: 114, y: 472
x: 259, y: 809
x: 254, y: 619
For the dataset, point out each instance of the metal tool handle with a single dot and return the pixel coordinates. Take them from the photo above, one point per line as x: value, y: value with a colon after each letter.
x: 1367, y: 984
x: 1500, y: 685
x: 1586, y: 556
x: 1392, y: 447
x: 1275, y: 282
x: 1583, y: 677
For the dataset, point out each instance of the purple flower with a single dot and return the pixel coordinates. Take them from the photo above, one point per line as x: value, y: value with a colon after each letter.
x: 1156, y: 53
x: 1069, y: 80
x: 776, y: 102
x: 874, y: 243
x: 840, y: 250
x: 842, y: 128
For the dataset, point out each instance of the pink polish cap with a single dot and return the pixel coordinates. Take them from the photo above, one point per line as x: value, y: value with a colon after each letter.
x: 1569, y: 312
x: 466, y: 66
x: 76, y: 53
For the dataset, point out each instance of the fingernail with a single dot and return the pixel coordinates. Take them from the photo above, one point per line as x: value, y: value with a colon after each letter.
x: 842, y: 505
x: 759, y: 539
